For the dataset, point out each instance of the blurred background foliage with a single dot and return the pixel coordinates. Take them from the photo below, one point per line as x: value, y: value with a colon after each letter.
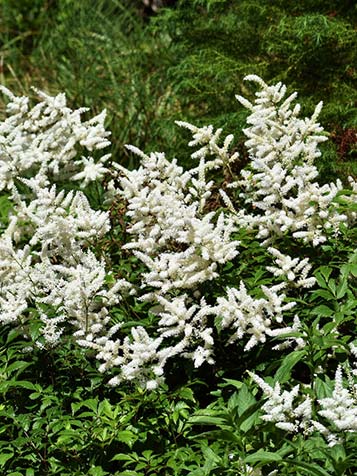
x: 152, y: 62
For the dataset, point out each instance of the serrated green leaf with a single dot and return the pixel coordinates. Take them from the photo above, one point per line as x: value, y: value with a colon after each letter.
x: 187, y: 394
x: 283, y: 373
x: 324, y: 293
x: 123, y: 457
x: 323, y: 310
x: 210, y: 455
x: 353, y: 269
x: 325, y: 271
x: 248, y: 418
x: 341, y: 289
x: 244, y: 399
x: 322, y: 389
x: 18, y: 365
x: 127, y: 437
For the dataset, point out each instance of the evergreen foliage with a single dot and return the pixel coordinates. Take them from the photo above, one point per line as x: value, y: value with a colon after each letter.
x: 309, y: 45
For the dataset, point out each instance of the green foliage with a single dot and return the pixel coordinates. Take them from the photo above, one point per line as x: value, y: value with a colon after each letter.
x: 58, y: 417
x: 149, y: 71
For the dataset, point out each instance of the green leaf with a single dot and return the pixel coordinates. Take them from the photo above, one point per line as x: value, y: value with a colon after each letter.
x: 127, y: 437
x: 20, y: 383
x: 236, y: 383
x: 244, y: 399
x: 18, y: 365
x: 207, y: 420
x: 4, y: 457
x: 105, y: 408
x: 129, y: 473
x: 353, y: 269
x: 341, y: 289
x: 322, y: 389
x: 324, y: 294
x: 123, y: 457
x: 312, y: 468
x: 91, y: 403
x: 288, y: 363
x: 210, y: 455
x: 97, y: 471
x: 325, y: 271
x: 332, y: 286
x: 262, y: 457
x: 187, y: 394
x: 248, y: 418
x: 323, y: 310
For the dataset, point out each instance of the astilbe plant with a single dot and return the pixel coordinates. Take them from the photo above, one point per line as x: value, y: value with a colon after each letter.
x: 49, y: 271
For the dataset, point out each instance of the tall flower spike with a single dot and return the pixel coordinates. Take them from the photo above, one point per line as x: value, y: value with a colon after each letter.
x: 280, y: 408
x: 279, y: 188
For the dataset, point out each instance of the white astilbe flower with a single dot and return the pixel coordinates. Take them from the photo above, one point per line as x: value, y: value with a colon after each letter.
x: 136, y: 357
x: 79, y: 292
x: 91, y: 171
x: 249, y: 316
x: 198, y: 262
x: 280, y: 186
x: 156, y: 201
x: 52, y: 329
x: 16, y: 288
x: 142, y: 358
x: 46, y: 137
x: 52, y: 273
x: 288, y: 340
x: 190, y: 325
x: 340, y: 410
x: 208, y: 140
x: 281, y: 409
x: 180, y: 247
x: 61, y: 223
x: 295, y: 270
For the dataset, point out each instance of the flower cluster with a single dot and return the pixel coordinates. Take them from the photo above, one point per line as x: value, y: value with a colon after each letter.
x: 250, y: 316
x: 53, y: 268
x: 180, y: 245
x: 46, y: 139
x: 279, y: 407
x: 48, y: 272
x: 339, y: 410
x: 295, y: 270
x: 279, y: 187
